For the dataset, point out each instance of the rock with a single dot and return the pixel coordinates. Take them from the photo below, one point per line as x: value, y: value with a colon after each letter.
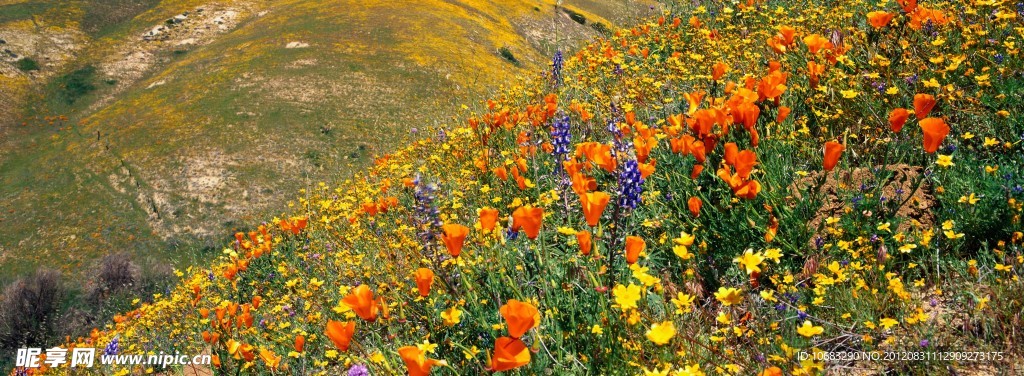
x: 296, y: 45
x: 187, y: 41
x: 180, y: 18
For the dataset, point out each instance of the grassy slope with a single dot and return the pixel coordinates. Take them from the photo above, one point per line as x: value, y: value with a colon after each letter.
x: 242, y: 121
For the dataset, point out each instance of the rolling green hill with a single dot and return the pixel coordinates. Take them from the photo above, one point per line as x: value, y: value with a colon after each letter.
x: 157, y: 127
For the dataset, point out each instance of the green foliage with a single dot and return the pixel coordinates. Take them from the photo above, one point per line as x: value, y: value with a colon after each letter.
x: 575, y: 16
x: 26, y: 64
x: 75, y: 85
x: 601, y: 28
x: 23, y: 10
x: 506, y: 54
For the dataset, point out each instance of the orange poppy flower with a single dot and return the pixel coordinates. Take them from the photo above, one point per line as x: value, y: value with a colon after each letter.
x: 772, y: 86
x: 602, y: 157
x: 424, y: 278
x: 897, y: 118
x: 340, y: 333
x: 272, y: 360
x: 746, y: 113
x: 718, y: 70
x: 520, y: 316
x: 595, y: 152
x: 500, y: 172
x: 369, y: 208
x: 454, y: 237
x: 923, y: 104
x: 699, y: 151
x: 646, y: 169
x: 814, y: 72
x: 935, y: 130
x: 294, y: 225
x: 907, y: 5
x: 833, y: 150
x: 748, y: 189
x: 879, y: 19
x: 584, y: 240
x: 488, y: 218
x: 816, y: 43
x: 582, y: 184
x: 416, y: 361
x: 634, y: 245
x: 773, y: 230
x: 593, y: 205
x: 777, y: 44
x: 771, y: 371
x: 571, y: 167
x: 211, y: 338
x: 643, y: 146
x: 300, y: 343
x: 788, y: 34
x: 694, y: 204
x: 922, y: 16
x: 697, y: 169
x: 745, y: 161
x: 694, y: 22
x: 731, y: 150
x: 529, y: 219
x: 783, y: 114
x: 243, y: 351
x: 361, y: 301
x: 509, y: 353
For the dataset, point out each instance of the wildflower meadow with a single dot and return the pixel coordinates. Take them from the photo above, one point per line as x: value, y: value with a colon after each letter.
x: 755, y: 187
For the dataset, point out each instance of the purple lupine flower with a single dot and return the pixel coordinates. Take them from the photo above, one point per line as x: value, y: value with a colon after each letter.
x: 561, y: 138
x: 630, y: 184
x: 556, y: 68
x: 912, y: 79
x: 358, y: 370
x: 112, y: 348
x: 426, y: 216
x: 511, y: 234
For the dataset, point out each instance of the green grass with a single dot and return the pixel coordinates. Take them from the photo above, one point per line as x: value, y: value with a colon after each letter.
x: 26, y: 64
x: 24, y: 10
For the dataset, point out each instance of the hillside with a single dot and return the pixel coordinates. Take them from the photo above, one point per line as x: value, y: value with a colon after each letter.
x: 156, y: 127
x: 722, y: 189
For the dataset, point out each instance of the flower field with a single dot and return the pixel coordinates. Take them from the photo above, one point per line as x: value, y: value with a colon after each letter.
x: 734, y: 188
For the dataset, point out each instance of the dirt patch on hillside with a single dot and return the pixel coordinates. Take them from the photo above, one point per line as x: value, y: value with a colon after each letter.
x: 902, y: 184
x: 48, y: 47
x: 197, y: 27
